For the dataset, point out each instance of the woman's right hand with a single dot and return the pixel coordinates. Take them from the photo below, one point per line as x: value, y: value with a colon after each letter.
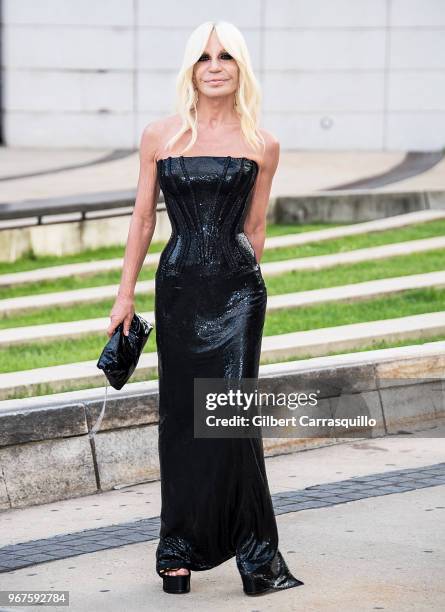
x: 123, y: 310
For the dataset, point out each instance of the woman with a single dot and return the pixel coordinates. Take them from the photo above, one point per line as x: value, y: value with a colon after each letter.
x: 215, y: 168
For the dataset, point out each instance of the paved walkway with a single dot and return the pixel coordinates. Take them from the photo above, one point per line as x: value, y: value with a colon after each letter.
x: 358, y: 523
x: 46, y: 173
x: 67, y: 545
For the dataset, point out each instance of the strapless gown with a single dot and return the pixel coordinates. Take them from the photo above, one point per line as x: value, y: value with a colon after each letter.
x: 210, y: 306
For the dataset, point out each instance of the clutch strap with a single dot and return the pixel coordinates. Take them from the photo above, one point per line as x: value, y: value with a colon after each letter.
x: 97, y: 424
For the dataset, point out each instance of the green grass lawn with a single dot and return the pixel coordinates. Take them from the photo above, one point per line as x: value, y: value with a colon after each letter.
x: 417, y: 263
x: 55, y: 352
x: 402, y: 265
x: 46, y: 389
x: 376, y: 345
x: 30, y: 261
x: 361, y: 241
x: 282, y: 229
x: 70, y: 283
x: 76, y: 312
x: 416, y: 301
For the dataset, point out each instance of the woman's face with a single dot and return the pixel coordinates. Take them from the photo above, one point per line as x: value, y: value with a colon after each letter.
x: 216, y: 71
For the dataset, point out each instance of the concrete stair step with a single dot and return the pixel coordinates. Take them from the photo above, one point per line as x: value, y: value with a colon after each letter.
x: 351, y: 292
x: 315, y: 342
x: 377, y: 356
x: 68, y: 298
x: 77, y: 269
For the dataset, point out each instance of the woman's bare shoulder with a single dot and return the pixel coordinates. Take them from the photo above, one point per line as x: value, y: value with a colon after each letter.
x: 156, y: 132
x: 269, y: 138
x: 158, y: 127
x: 272, y: 148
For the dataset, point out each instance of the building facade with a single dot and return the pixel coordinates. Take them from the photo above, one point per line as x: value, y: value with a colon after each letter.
x: 335, y: 74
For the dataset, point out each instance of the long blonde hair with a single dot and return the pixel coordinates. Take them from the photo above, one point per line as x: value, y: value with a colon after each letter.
x: 247, y: 96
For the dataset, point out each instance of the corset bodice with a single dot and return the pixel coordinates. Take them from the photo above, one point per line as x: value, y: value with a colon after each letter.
x: 207, y: 199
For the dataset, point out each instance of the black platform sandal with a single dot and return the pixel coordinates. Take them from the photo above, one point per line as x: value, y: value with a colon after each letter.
x: 255, y: 585
x: 274, y: 576
x: 175, y: 584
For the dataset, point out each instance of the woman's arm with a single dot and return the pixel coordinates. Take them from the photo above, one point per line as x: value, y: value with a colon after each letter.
x: 255, y: 222
x: 140, y: 233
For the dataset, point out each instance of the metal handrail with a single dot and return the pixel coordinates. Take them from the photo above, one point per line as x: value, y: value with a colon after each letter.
x: 69, y: 209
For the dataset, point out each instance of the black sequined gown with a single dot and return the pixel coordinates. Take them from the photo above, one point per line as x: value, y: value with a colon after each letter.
x: 210, y: 305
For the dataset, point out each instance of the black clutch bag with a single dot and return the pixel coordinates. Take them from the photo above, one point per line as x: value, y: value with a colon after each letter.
x: 121, y: 354
x: 120, y: 357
